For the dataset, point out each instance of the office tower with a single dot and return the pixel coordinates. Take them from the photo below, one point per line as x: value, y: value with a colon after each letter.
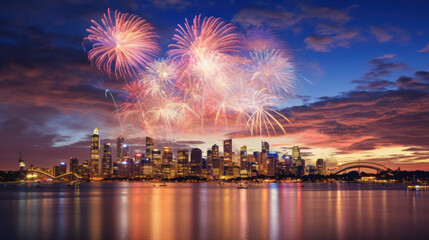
x: 182, y: 163
x: 215, y: 151
x: 295, y: 153
x: 320, y: 167
x: 106, y: 162
x: 60, y: 170
x: 156, y: 160
x: 167, y: 162
x: 271, y: 164
x: 196, y: 161
x: 21, y: 164
x: 243, y: 157
x: 126, y: 151
x: 150, y: 144
x: 84, y: 169
x: 167, y: 155
x: 74, y: 165
x: 95, y: 154
x: 209, y: 164
x: 119, y: 149
x: 227, y: 152
x: 265, y: 147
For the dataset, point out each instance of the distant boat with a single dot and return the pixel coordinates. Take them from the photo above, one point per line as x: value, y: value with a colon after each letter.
x: 163, y: 184
x: 242, y: 186
x: 221, y: 182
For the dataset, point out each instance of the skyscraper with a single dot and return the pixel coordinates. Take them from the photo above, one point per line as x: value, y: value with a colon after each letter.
x: 126, y: 151
x: 196, y: 160
x: 167, y: 155
x: 119, y: 149
x: 295, y: 153
x: 21, y: 164
x: 243, y: 156
x: 182, y: 163
x: 74, y: 165
x: 150, y: 144
x: 227, y: 152
x: 107, y: 160
x: 215, y: 151
x: 265, y: 147
x: 95, y: 154
x: 321, y: 166
x: 60, y: 170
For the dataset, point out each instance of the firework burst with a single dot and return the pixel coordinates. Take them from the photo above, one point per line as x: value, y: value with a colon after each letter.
x: 214, y: 77
x: 274, y: 70
x: 122, y: 44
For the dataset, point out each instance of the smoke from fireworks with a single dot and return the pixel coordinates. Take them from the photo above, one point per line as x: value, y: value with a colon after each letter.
x: 122, y: 44
x: 209, y: 79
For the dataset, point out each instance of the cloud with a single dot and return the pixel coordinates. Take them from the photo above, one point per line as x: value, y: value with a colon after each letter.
x: 425, y: 49
x: 249, y: 17
x: 178, y: 4
x: 381, y: 35
x: 329, y: 36
x: 386, y: 56
x: 366, y: 120
x: 335, y: 15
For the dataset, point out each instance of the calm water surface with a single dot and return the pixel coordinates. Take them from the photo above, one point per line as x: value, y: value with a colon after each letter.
x: 211, y: 211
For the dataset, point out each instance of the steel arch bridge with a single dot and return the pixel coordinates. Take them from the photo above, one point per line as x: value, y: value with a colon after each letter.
x: 71, y: 174
x: 376, y: 166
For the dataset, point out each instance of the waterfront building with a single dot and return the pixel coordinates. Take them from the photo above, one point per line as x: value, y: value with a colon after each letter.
x: 119, y: 148
x: 74, y: 165
x: 182, y: 163
x: 209, y: 164
x: 60, y: 170
x: 320, y: 167
x: 106, y: 162
x: 156, y: 162
x: 95, y: 154
x: 196, y: 162
x: 150, y: 145
x: 167, y: 155
x: 227, y: 152
x: 126, y: 152
x: 21, y: 164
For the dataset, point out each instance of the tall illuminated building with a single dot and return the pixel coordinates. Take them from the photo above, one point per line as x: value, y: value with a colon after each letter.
x: 321, y: 166
x: 167, y: 155
x: 126, y: 151
x: 243, y: 156
x: 95, y: 154
x: 119, y: 149
x: 60, y: 170
x: 74, y: 165
x: 196, y: 161
x: 182, y: 163
x: 295, y: 153
x: 215, y: 151
x: 106, y: 162
x: 150, y: 145
x: 209, y: 164
x: 21, y: 164
x: 265, y: 147
x: 227, y: 152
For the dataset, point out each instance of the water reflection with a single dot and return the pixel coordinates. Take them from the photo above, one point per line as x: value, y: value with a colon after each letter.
x: 211, y: 211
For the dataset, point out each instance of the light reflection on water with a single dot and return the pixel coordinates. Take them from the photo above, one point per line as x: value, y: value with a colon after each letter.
x: 210, y: 211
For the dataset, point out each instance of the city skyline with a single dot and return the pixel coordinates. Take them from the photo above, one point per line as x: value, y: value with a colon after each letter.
x: 372, y: 106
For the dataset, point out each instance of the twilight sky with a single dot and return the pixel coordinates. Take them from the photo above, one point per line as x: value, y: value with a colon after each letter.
x: 368, y: 62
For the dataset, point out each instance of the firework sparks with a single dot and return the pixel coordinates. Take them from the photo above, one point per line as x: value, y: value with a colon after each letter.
x: 271, y: 68
x: 122, y: 45
x: 208, y: 80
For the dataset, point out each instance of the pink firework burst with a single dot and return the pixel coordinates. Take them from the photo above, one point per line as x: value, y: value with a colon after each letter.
x: 122, y: 44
